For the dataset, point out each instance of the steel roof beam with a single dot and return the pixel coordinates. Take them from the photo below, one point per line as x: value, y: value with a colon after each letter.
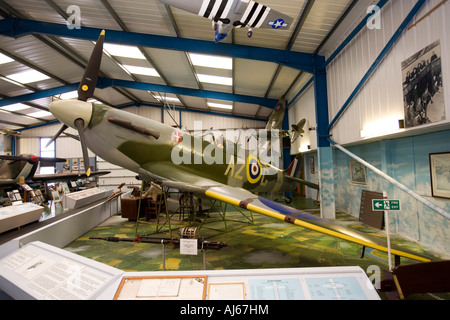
x: 14, y: 27
x: 104, y: 83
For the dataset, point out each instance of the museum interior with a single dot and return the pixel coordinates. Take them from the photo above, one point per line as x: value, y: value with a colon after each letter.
x: 224, y: 150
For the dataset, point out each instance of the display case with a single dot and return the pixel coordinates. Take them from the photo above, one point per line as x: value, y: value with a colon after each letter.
x: 18, y: 215
x: 82, y: 198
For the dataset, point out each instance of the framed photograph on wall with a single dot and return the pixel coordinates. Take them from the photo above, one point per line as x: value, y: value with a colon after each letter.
x: 357, y: 172
x: 440, y: 174
x: 423, y: 93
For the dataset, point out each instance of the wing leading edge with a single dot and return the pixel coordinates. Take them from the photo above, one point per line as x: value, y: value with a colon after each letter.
x: 247, y: 200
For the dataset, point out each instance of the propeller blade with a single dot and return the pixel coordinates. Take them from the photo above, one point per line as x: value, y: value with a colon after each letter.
x: 79, y: 124
x: 87, y: 85
x: 52, y: 159
x: 63, y: 128
x: 32, y: 159
x: 14, y: 158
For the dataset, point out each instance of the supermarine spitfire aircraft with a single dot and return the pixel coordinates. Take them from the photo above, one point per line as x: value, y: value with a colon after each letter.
x: 149, y: 148
x: 229, y: 14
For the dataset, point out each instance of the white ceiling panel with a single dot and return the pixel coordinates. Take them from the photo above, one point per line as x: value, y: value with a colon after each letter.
x: 144, y: 16
x: 253, y: 77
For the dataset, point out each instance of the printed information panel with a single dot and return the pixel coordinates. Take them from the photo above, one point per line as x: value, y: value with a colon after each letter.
x: 43, y: 272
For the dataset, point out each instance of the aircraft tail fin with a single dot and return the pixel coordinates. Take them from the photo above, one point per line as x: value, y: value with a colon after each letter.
x: 294, y: 173
x: 295, y: 168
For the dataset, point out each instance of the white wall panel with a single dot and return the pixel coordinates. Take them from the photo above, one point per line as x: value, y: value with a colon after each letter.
x: 381, y: 98
x: 304, y: 108
x: 28, y: 146
x: 70, y: 148
x: 147, y: 112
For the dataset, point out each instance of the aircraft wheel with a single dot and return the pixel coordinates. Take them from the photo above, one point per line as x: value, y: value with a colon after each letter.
x: 288, y: 200
x: 250, y: 34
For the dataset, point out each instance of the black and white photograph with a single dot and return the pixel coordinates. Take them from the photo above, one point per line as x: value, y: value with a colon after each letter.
x: 423, y: 95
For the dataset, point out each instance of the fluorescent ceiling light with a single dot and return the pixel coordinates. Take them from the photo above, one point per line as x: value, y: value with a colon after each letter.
x: 39, y: 114
x: 123, y: 51
x: 220, y: 105
x: 5, y: 59
x: 211, y: 61
x: 16, y: 107
x: 215, y: 79
x: 28, y: 76
x: 142, y: 70
x: 166, y: 99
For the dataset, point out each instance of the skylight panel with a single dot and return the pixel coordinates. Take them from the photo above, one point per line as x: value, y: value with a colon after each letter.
x: 162, y: 98
x: 209, y: 61
x: 16, y: 107
x: 142, y: 71
x: 220, y: 105
x: 28, y: 76
x: 69, y: 95
x: 40, y: 114
x: 5, y: 59
x: 215, y: 79
x: 123, y: 51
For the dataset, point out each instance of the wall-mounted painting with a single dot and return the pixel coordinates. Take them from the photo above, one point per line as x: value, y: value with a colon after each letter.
x: 357, y: 172
x: 423, y: 94
x: 440, y: 174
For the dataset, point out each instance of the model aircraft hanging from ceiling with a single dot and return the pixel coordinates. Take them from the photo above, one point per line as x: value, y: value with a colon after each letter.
x: 147, y: 147
x: 14, y: 167
x: 229, y: 14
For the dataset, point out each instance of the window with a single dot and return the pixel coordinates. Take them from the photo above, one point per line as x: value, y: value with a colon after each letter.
x: 47, y: 152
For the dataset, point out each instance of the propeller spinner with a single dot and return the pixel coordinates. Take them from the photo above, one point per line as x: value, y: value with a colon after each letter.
x: 77, y: 113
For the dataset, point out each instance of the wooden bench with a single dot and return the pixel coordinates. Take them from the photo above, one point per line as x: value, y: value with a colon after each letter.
x: 427, y: 277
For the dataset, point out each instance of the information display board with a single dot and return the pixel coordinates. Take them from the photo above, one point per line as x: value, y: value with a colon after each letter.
x: 43, y: 272
x: 162, y: 288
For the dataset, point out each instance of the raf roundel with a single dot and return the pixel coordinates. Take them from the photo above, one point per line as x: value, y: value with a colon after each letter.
x: 253, y: 169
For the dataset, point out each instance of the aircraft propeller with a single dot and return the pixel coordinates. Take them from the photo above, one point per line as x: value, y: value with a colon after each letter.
x: 77, y: 113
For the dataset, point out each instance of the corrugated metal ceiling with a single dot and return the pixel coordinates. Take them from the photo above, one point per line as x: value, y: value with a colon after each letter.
x: 64, y: 59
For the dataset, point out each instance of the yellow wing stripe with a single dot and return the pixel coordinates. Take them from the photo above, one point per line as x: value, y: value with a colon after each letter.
x: 303, y: 224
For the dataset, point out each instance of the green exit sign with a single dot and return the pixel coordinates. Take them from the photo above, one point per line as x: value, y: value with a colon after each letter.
x: 385, y: 205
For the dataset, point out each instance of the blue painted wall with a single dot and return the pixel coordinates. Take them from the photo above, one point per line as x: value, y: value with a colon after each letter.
x: 407, y: 161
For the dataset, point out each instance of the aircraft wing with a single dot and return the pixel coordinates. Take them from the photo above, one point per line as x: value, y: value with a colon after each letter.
x: 65, y: 176
x: 188, y: 182
x: 242, y: 13
x: 275, y: 20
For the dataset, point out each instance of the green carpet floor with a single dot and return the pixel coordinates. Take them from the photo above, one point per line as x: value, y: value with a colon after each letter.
x: 254, y: 241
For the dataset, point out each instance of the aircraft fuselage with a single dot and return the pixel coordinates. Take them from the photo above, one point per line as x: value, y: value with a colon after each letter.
x: 117, y: 137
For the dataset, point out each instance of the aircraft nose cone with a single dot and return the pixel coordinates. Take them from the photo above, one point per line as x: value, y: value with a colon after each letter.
x: 67, y: 111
